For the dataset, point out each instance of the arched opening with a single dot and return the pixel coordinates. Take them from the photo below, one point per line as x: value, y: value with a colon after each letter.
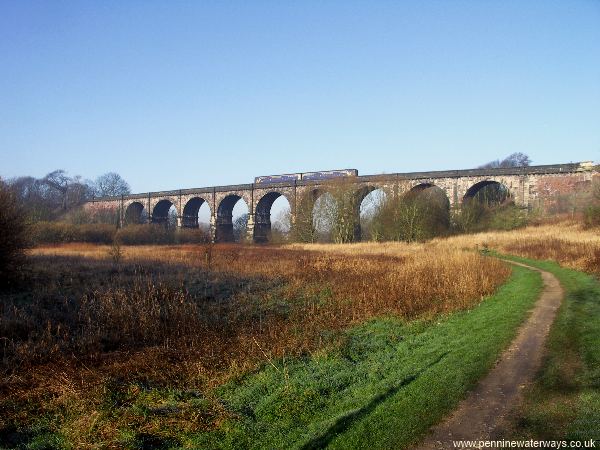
x: 135, y: 214
x: 488, y: 193
x: 196, y: 214
x: 165, y: 213
x: 372, y: 202
x: 422, y: 187
x: 272, y: 218
x: 324, y: 215
x: 433, y: 205
x: 304, y: 229
x: 487, y: 204
x: 430, y: 193
x: 232, y: 218
x: 327, y: 216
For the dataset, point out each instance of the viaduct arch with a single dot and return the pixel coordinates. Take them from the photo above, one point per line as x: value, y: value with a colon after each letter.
x: 523, y: 185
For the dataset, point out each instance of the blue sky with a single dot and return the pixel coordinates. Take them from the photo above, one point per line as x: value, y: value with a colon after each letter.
x: 188, y: 94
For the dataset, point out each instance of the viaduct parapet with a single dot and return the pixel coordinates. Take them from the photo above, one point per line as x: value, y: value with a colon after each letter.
x: 526, y: 187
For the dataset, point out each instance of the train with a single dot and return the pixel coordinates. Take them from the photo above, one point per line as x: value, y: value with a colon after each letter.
x: 306, y: 176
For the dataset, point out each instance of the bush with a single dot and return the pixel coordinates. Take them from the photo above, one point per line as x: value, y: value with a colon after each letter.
x: 591, y: 216
x: 191, y: 236
x: 145, y: 234
x: 81, y: 216
x: 150, y: 234
x: 476, y: 216
x: 50, y: 232
x: 13, y: 235
x: 507, y: 217
x: 417, y: 216
x: 61, y: 232
x: 97, y: 233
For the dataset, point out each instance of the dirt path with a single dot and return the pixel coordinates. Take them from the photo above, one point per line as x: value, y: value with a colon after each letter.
x: 481, y: 415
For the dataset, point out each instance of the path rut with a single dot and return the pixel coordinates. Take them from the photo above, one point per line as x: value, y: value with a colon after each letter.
x: 482, y: 415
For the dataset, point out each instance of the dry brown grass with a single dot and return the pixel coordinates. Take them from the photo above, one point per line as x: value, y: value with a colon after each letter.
x: 197, y: 315
x: 409, y: 280
x: 306, y: 293
x: 567, y: 242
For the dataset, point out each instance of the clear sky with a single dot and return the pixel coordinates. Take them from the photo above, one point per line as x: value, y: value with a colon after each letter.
x: 200, y: 93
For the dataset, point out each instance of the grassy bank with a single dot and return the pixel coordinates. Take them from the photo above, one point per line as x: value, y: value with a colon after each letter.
x: 564, y: 403
x: 383, y: 388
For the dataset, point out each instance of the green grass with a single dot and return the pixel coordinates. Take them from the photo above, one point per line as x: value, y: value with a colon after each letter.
x: 564, y: 402
x: 383, y: 388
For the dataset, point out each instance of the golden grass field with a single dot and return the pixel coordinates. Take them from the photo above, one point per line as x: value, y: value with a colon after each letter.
x: 198, y: 315
x: 567, y: 242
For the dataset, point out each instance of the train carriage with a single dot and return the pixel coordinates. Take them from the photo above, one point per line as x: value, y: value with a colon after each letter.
x: 307, y: 176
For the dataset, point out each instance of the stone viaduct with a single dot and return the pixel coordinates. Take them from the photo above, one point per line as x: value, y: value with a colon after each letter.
x: 526, y: 185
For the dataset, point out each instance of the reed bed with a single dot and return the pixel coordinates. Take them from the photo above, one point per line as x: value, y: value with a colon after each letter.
x: 408, y: 282
x: 184, y: 314
x: 89, y: 328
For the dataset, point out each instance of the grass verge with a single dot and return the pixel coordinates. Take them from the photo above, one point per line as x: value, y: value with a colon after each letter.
x: 383, y: 388
x: 564, y: 402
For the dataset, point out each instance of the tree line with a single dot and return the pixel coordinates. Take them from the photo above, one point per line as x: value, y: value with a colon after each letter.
x: 57, y: 194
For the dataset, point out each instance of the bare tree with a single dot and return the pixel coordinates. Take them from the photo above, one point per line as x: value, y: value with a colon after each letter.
x: 513, y: 160
x: 32, y: 195
x: 414, y: 216
x: 58, y: 184
x: 79, y: 191
x: 172, y: 218
x: 111, y: 184
x: 281, y: 226
x: 324, y: 213
x: 57, y: 193
x: 283, y: 221
x: 66, y: 191
x: 239, y: 228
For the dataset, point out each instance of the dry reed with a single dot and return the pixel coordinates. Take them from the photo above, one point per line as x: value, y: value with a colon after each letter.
x: 197, y: 315
x: 284, y: 299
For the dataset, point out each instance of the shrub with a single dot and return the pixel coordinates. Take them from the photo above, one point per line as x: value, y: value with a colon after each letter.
x: 469, y: 217
x: 191, y: 236
x: 507, y: 217
x: 95, y: 233
x: 61, y: 232
x: 51, y: 232
x: 476, y: 216
x: 146, y: 234
x: 81, y: 215
x: 13, y: 235
x: 98, y: 233
x: 591, y: 216
x: 417, y: 216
